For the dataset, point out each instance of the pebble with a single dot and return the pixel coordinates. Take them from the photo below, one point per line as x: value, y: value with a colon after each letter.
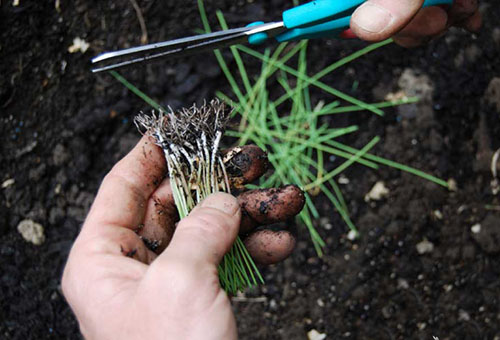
x: 352, y: 235
x: 488, y: 234
x: 463, y: 315
x: 315, y: 335
x: 378, y: 192
x: 31, y: 231
x: 452, y: 185
x: 79, y: 45
x: 438, y: 214
x: 476, y: 228
x: 343, y: 179
x: 7, y: 183
x: 424, y: 247
x: 403, y: 284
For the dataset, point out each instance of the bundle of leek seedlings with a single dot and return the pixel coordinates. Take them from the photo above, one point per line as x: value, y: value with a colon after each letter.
x: 190, y: 140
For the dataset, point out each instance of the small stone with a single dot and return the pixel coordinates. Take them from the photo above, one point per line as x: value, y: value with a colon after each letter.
x: 352, y: 235
x: 403, y: 284
x: 378, y: 192
x: 7, y: 183
x: 320, y: 303
x: 463, y: 315
x: 476, y: 228
x: 31, y: 231
x: 325, y: 223
x: 343, y: 179
x: 452, y: 185
x: 489, y: 233
x: 414, y: 84
x: 315, y: 335
x: 79, y: 45
x: 424, y: 247
x: 438, y: 214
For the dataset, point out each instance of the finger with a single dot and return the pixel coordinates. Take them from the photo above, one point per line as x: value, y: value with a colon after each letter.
x: 266, y: 206
x: 269, y: 247
x: 377, y: 20
x: 160, y: 218
x: 428, y: 23
x: 244, y: 164
x: 206, y: 234
x: 114, y: 240
x: 124, y: 192
x: 461, y: 10
x: 87, y: 266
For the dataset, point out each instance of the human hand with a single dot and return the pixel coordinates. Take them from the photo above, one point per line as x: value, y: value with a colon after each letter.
x: 120, y: 289
x: 408, y: 23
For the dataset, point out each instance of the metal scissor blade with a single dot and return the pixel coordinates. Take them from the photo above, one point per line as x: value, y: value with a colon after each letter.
x: 178, y: 52
x: 177, y: 43
x: 183, y: 46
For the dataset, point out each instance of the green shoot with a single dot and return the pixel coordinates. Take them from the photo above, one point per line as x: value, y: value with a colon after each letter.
x: 297, y: 143
x: 190, y: 140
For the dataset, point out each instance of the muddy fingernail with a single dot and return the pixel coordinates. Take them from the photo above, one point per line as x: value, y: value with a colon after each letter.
x: 372, y: 18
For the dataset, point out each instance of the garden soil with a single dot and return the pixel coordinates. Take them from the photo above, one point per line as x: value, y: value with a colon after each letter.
x: 426, y: 264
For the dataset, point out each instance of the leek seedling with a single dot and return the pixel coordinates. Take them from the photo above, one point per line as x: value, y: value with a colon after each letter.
x: 190, y: 140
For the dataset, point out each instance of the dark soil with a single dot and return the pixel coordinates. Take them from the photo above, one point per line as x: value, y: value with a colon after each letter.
x: 62, y: 129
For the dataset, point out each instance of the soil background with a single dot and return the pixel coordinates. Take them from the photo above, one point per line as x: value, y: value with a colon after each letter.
x: 62, y: 128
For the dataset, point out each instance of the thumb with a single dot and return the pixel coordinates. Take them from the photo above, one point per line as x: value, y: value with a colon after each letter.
x: 377, y: 20
x: 207, y: 233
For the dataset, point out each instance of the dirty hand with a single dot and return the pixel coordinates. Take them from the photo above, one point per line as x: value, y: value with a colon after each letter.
x: 122, y: 287
x: 408, y: 23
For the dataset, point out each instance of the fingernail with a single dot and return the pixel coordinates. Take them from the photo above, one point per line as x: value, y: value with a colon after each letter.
x: 223, y: 202
x: 372, y: 18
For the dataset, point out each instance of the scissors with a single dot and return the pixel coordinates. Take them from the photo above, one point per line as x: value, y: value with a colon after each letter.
x: 316, y: 19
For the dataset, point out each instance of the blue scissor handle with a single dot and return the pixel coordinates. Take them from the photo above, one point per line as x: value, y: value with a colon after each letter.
x: 325, y: 18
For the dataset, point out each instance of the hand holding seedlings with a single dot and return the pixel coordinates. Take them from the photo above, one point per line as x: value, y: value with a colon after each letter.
x: 121, y: 279
x: 190, y: 140
x: 408, y: 23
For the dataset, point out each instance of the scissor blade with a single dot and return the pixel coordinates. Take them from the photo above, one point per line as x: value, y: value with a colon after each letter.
x: 179, y: 52
x: 183, y: 46
x: 177, y: 43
